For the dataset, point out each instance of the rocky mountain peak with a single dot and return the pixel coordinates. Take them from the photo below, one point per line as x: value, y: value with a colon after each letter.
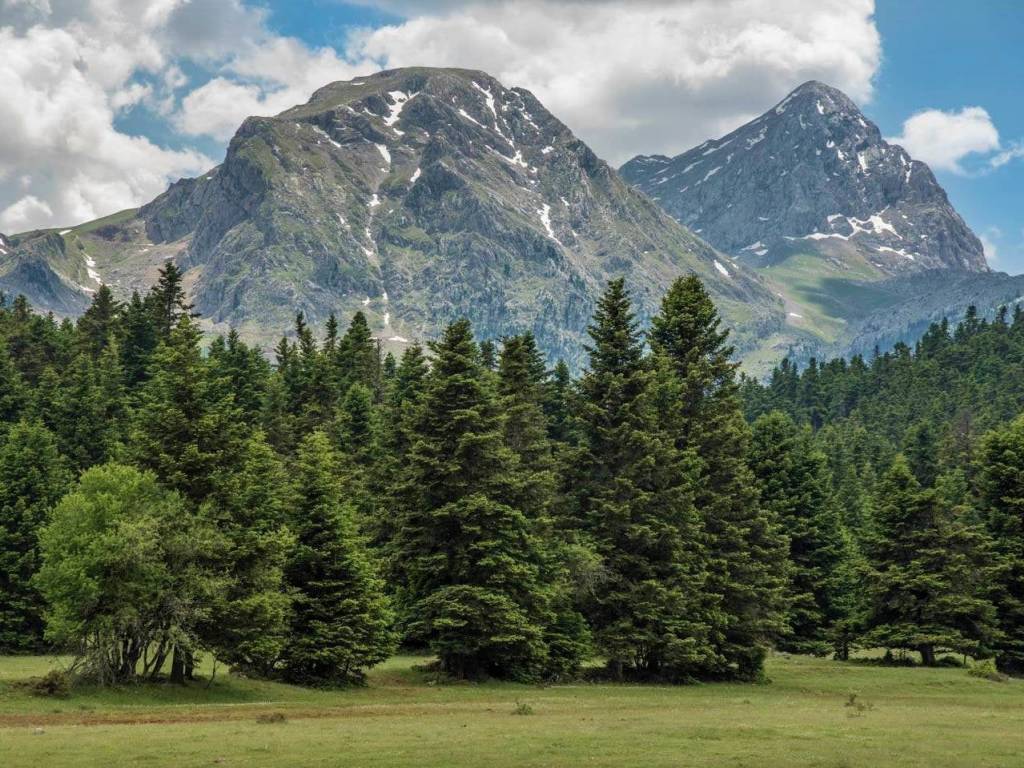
x: 812, y: 173
x: 416, y: 196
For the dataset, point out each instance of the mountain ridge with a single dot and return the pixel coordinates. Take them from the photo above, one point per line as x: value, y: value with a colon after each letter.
x: 416, y: 195
x: 812, y: 168
x: 857, y: 238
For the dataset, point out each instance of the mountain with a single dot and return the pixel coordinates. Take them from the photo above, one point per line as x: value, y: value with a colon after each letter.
x: 417, y: 195
x: 846, y: 227
x: 812, y: 168
x: 27, y: 267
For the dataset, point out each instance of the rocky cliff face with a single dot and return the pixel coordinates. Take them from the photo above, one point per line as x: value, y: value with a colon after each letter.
x: 812, y: 174
x: 418, y: 196
x: 27, y: 266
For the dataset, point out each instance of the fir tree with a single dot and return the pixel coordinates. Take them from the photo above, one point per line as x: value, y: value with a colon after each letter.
x: 138, y: 340
x: 243, y: 371
x: 98, y: 325
x: 558, y: 406
x: 793, y: 481
x: 521, y: 391
x: 185, y: 428
x: 357, y: 432
x: 468, y: 562
x: 358, y: 357
x: 399, y: 413
x: 33, y: 476
x: 747, y: 551
x: 930, y: 572
x: 647, y: 614
x: 248, y: 507
x: 340, y: 622
x: 166, y: 301
x: 13, y: 393
x: 1002, y: 496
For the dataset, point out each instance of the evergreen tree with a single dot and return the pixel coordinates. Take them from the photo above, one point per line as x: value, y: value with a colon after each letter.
x: 558, y: 405
x: 468, y: 562
x: 930, y: 573
x: 89, y: 414
x: 243, y: 372
x: 522, y: 390
x: 138, y: 340
x: 1002, y: 495
x: 921, y: 451
x: 166, y: 301
x: 357, y: 431
x: 747, y: 551
x: 98, y: 326
x: 249, y: 621
x: 340, y: 621
x: 398, y: 418
x: 358, y: 357
x: 793, y: 481
x: 648, y: 614
x: 13, y: 393
x: 185, y: 428
x: 33, y: 476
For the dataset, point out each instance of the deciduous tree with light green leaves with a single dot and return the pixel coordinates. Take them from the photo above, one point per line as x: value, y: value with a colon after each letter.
x: 119, y: 574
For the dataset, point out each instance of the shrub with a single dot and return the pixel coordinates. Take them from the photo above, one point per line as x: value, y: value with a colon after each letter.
x: 522, y: 708
x: 54, y: 684
x: 986, y: 669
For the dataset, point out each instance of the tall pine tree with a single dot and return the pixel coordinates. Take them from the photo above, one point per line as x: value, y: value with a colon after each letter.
x: 1002, y: 496
x: 636, y: 501
x: 747, y: 551
x: 930, y: 575
x: 793, y: 481
x: 340, y: 623
x: 469, y: 562
x: 33, y: 477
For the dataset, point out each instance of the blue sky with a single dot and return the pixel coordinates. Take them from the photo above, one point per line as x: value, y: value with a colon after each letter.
x: 941, y: 54
x: 157, y: 87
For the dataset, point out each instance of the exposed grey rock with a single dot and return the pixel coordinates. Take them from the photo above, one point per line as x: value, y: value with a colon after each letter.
x: 422, y: 195
x: 27, y: 267
x: 812, y: 173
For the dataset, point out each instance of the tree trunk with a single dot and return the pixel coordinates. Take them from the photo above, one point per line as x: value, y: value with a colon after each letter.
x: 927, y: 655
x: 178, y: 666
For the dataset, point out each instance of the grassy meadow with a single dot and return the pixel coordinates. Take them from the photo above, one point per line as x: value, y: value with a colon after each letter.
x: 813, y: 712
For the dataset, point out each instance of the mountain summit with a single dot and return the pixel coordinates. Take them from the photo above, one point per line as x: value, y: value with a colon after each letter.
x: 812, y: 173
x: 418, y: 196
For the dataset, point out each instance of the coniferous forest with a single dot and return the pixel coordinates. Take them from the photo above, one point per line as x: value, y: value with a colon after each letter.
x: 165, y: 499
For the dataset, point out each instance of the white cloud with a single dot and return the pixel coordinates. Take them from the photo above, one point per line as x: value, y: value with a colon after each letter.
x: 1011, y: 152
x: 21, y: 214
x: 647, y: 76
x: 988, y: 241
x: 59, y: 137
x: 263, y: 79
x: 628, y: 77
x: 944, y: 140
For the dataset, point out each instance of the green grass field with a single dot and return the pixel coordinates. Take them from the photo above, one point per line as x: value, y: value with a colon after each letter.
x: 906, y: 717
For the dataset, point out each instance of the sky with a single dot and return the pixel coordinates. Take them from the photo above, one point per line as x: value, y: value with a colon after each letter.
x: 104, y: 102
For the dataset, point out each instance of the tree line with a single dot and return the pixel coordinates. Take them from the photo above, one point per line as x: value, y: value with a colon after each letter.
x: 922, y: 451
x: 301, y: 518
